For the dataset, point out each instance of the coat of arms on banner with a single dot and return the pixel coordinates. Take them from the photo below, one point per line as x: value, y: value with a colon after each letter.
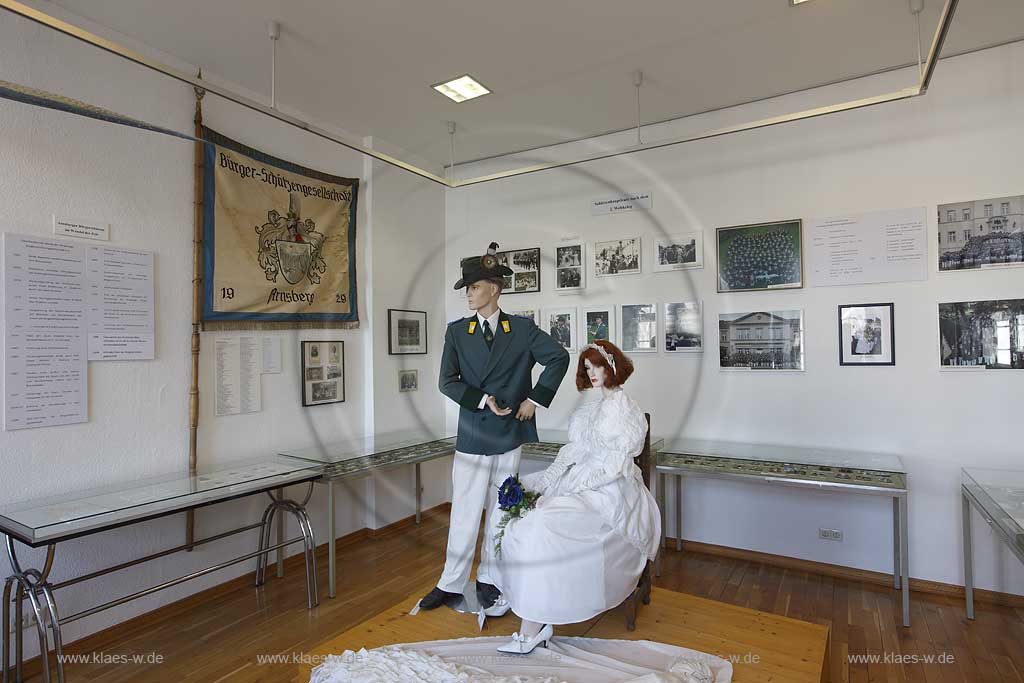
x: 279, y: 241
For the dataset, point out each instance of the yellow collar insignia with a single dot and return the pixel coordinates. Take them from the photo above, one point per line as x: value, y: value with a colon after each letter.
x: 472, y: 326
x: 505, y: 326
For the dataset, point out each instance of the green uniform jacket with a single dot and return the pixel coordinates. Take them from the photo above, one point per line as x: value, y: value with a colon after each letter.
x: 469, y: 370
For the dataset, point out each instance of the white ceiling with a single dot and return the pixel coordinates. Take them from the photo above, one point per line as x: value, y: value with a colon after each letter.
x: 558, y: 70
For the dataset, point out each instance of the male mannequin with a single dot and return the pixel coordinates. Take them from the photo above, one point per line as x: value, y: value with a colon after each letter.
x: 486, y: 368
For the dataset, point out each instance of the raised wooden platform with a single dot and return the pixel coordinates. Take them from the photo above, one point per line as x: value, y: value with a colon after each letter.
x: 761, y: 646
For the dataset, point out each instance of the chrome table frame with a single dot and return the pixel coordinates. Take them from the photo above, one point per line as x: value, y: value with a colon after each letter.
x: 35, y: 584
x: 967, y: 500
x: 900, y: 532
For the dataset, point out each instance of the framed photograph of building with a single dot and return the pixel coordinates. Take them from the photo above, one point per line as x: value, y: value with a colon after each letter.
x: 761, y: 340
x: 678, y: 252
x: 570, y: 267
x: 867, y: 335
x: 323, y: 372
x: 407, y: 332
x: 984, y: 233
x: 560, y: 323
x: 760, y: 256
x: 530, y: 313
x: 408, y: 380
x: 598, y: 323
x: 639, y: 328
x: 684, y: 326
x: 617, y: 257
x: 982, y: 335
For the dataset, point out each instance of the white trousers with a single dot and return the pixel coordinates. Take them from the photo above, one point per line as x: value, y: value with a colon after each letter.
x: 475, y: 482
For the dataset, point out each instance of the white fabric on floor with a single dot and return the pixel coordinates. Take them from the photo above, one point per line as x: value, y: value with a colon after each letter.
x: 566, y: 660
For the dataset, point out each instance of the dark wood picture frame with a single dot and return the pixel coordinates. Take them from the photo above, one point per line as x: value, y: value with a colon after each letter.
x: 392, y: 342
x: 892, y: 334
x: 308, y: 350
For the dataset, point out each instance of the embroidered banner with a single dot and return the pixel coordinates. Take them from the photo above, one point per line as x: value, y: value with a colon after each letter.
x: 279, y: 241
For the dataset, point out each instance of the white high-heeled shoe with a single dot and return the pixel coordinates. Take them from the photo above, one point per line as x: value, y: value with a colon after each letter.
x: 521, y: 645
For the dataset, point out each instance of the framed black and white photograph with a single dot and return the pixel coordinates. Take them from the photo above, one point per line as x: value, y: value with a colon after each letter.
x: 867, y: 335
x: 760, y: 256
x: 570, y: 267
x: 639, y: 328
x: 617, y: 257
x: 598, y: 324
x: 684, y: 327
x: 678, y: 252
x: 408, y: 380
x: 323, y: 372
x: 560, y: 323
x: 407, y: 332
x: 761, y: 340
x: 525, y: 265
x: 531, y: 313
x: 982, y: 233
x: 982, y: 335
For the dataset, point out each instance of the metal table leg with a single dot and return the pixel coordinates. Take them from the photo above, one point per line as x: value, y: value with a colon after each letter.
x: 968, y: 556
x: 332, y: 551
x: 896, y: 571
x: 34, y: 585
x: 419, y: 493
x: 905, y: 559
x: 280, y: 536
x: 679, y: 512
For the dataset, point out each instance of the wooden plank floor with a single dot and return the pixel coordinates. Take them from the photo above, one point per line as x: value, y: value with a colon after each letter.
x: 222, y: 636
x: 764, y: 647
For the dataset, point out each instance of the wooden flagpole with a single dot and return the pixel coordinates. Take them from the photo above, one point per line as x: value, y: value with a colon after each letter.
x: 197, y: 305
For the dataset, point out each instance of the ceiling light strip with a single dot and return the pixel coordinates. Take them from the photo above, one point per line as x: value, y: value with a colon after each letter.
x: 132, y: 56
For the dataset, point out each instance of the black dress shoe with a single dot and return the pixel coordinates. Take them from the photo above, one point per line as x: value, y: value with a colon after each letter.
x: 486, y: 594
x: 436, y: 598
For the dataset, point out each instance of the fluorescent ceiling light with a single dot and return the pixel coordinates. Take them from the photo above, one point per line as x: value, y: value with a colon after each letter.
x: 461, y: 89
x: 794, y: 3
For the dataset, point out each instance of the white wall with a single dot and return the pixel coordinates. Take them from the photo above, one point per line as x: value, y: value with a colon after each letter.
x: 962, y: 141
x: 142, y: 183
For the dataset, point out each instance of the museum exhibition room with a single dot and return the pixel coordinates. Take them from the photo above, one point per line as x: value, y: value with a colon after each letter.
x: 512, y: 342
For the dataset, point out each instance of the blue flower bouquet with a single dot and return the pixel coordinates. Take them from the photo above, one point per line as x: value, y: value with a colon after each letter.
x: 514, y: 502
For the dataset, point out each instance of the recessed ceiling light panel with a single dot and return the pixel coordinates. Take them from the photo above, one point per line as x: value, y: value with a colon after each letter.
x: 461, y: 89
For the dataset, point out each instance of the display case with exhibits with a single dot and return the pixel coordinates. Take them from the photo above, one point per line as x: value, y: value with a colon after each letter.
x: 361, y: 455
x: 831, y: 466
x: 1000, y: 496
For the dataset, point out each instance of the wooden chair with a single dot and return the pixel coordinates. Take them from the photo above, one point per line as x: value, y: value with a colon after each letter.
x: 630, y: 607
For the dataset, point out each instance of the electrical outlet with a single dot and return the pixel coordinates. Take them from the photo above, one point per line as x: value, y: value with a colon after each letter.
x: 28, y: 620
x: 830, y: 534
x: 837, y: 535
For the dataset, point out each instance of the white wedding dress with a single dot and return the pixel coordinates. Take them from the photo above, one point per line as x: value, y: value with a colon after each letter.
x: 582, y: 549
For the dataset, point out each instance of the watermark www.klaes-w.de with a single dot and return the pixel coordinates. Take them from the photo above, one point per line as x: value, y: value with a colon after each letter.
x: 901, y: 658
x: 134, y: 658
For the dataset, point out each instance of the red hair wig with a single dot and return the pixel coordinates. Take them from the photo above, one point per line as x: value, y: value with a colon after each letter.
x: 612, y: 377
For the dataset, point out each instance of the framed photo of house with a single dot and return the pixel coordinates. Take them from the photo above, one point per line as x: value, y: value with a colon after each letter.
x: 560, y: 323
x: 570, y: 267
x: 760, y: 256
x: 981, y: 233
x: 761, y: 340
x: 408, y: 380
x: 617, y: 257
x: 677, y: 252
x: 598, y: 323
x: 867, y: 335
x: 639, y: 328
x: 407, y: 332
x: 683, y: 327
x: 323, y: 372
